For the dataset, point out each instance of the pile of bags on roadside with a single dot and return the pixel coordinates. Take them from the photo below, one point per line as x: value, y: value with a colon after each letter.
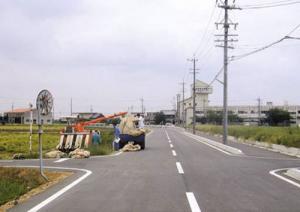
x: 77, y: 154
x: 128, y: 126
x: 130, y: 147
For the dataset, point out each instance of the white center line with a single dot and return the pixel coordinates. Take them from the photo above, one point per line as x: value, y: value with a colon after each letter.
x: 193, y: 202
x: 170, y: 141
x: 179, y: 168
x: 174, y: 153
x: 61, y: 160
x: 171, y: 145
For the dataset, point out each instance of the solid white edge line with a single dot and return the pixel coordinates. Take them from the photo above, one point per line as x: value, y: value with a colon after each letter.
x: 60, y: 192
x: 193, y: 202
x: 273, y: 172
x: 227, y: 153
x: 61, y: 160
x: 171, y: 145
x: 174, y: 153
x: 179, y: 168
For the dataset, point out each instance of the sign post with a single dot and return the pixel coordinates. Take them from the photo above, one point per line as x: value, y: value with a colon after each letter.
x: 44, y: 104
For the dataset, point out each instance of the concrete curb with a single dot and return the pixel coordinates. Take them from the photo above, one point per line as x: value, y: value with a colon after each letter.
x: 293, y: 173
x: 291, y: 151
x: 224, y: 147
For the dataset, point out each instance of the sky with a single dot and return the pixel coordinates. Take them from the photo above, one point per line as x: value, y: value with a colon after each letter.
x: 108, y: 55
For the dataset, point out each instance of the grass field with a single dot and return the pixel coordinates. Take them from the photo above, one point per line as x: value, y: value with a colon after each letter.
x: 288, y: 136
x: 15, y: 139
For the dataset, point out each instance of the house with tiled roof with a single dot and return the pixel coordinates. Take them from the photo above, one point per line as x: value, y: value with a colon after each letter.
x: 24, y: 115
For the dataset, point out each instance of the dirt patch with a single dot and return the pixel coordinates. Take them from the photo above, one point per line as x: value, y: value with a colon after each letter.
x: 54, y: 178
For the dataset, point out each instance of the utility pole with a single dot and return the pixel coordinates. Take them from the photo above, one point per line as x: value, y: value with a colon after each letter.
x: 183, y: 109
x: 226, y: 25
x: 259, y: 110
x: 71, y: 106
x: 194, y: 60
x: 178, y: 108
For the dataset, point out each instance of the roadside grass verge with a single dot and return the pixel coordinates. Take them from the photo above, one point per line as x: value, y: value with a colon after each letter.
x: 16, y: 182
x: 288, y: 136
x: 15, y: 139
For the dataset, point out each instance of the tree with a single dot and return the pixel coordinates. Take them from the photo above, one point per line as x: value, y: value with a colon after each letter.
x: 160, y: 118
x: 276, y: 116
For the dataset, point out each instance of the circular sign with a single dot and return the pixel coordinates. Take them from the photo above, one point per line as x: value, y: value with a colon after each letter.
x: 44, y: 102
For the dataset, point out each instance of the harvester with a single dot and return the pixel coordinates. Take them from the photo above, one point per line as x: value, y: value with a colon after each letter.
x: 76, y: 136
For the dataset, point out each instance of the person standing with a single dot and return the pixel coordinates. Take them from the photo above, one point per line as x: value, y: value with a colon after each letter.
x: 141, y: 124
x: 116, y: 142
x: 96, y: 138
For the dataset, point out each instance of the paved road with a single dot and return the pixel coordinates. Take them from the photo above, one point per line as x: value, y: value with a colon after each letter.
x: 174, y: 173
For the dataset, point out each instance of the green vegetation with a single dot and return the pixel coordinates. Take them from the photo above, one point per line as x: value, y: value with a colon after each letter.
x: 160, y: 118
x: 105, y: 148
x: 288, y: 136
x: 15, y: 182
x: 15, y: 139
x: 276, y: 117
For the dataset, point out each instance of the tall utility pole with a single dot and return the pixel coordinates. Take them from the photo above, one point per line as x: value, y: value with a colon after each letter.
x: 226, y: 25
x: 71, y: 107
x: 178, y: 108
x: 194, y: 60
x: 259, y: 110
x: 183, y: 109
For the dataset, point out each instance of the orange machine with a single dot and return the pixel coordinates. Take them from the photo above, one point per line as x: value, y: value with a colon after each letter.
x: 79, y: 127
x: 75, y: 136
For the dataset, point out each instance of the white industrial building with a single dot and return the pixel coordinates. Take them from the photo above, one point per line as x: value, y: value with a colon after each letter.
x: 202, y: 90
x: 249, y: 113
x: 23, y: 116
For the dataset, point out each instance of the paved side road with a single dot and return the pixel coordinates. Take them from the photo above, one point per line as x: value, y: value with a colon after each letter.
x: 174, y: 173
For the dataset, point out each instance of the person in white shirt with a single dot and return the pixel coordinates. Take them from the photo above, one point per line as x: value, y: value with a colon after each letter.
x: 141, y: 124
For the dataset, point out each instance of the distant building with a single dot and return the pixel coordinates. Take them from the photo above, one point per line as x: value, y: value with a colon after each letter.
x: 22, y: 116
x: 250, y: 114
x: 170, y: 115
x: 202, y: 90
x: 88, y: 115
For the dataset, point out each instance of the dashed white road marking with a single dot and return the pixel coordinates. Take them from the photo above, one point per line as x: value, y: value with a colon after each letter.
x: 170, y: 141
x: 171, y: 145
x: 179, y: 168
x: 174, y: 153
x: 61, y: 160
x: 273, y: 172
x: 193, y: 202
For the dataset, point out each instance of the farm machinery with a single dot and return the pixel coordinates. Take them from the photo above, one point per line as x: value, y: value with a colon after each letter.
x: 76, y: 135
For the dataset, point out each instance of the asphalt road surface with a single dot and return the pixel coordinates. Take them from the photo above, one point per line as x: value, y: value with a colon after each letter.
x: 174, y: 173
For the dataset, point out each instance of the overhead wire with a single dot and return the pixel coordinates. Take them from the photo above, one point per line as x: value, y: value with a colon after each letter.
x: 249, y: 7
x: 238, y: 57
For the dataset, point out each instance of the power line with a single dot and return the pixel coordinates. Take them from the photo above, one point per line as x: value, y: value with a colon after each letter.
x: 206, y: 29
x: 238, y: 57
x: 268, y: 6
x: 269, y: 3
